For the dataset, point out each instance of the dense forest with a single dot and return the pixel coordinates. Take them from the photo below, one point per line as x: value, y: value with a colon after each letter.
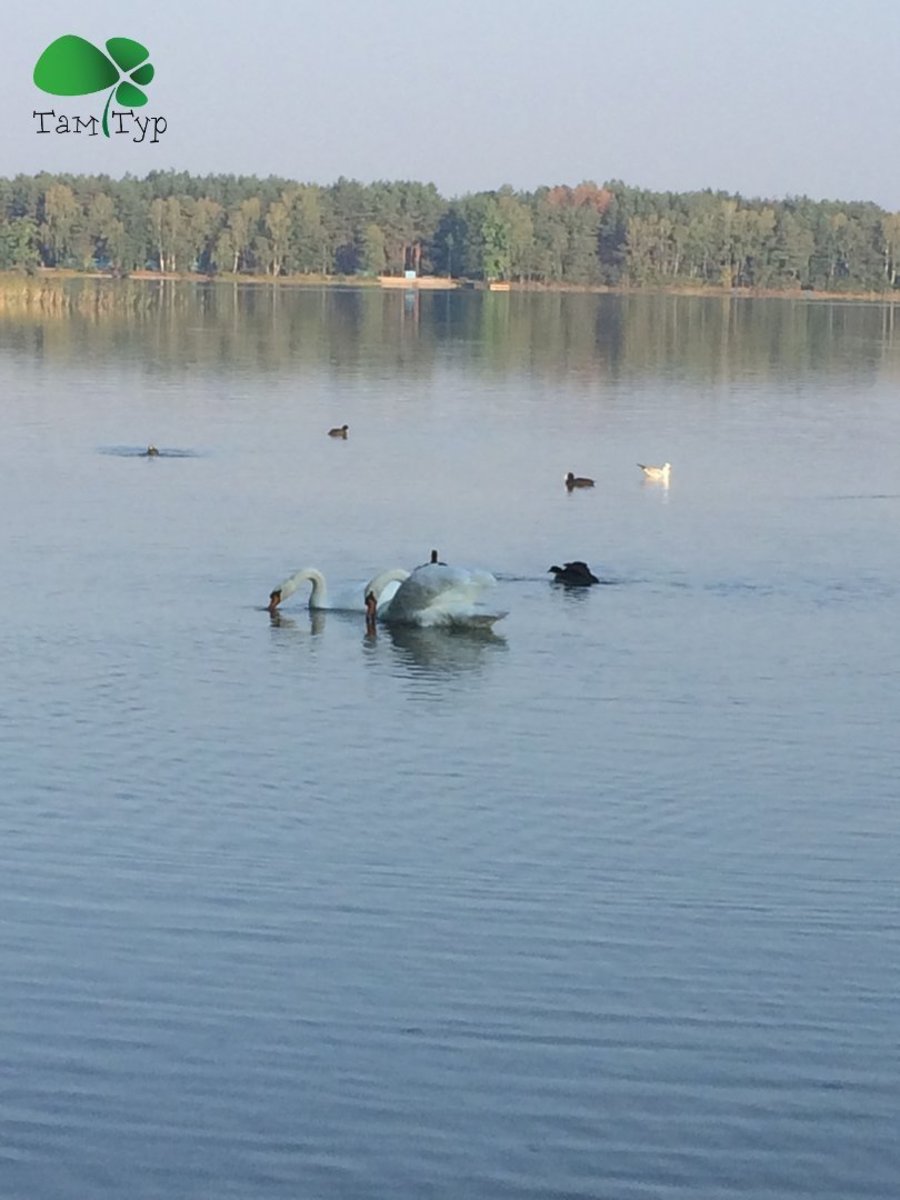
x: 612, y: 235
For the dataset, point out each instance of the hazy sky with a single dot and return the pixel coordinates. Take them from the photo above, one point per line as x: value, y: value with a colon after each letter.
x: 769, y: 98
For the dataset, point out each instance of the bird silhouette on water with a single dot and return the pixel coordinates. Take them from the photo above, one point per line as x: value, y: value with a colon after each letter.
x: 574, y: 574
x: 578, y: 481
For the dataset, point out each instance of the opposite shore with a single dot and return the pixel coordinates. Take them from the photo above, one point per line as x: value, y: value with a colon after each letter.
x: 29, y: 286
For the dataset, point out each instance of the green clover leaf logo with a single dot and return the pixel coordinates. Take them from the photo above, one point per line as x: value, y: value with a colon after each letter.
x: 72, y: 66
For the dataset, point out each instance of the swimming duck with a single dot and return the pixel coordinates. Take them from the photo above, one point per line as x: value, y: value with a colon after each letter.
x: 340, y: 431
x: 658, y: 474
x: 577, y: 481
x: 151, y: 452
x: 574, y: 574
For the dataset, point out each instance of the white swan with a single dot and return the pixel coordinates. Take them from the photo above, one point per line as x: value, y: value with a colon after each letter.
x: 349, y: 599
x: 432, y: 595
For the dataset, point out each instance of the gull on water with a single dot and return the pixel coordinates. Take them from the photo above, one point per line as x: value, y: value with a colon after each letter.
x: 659, y: 474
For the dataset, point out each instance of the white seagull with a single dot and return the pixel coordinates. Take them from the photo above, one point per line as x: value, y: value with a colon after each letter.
x: 657, y: 474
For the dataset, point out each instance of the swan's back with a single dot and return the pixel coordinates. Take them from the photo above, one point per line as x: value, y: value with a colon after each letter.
x: 436, y: 594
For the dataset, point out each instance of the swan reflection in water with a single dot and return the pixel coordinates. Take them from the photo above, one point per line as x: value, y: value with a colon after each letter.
x: 437, y: 649
x: 278, y: 620
x: 440, y: 650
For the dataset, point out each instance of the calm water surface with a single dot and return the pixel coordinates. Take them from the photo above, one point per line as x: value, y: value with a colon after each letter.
x: 605, y: 906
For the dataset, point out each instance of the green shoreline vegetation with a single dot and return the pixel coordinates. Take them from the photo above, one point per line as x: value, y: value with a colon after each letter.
x: 592, y: 237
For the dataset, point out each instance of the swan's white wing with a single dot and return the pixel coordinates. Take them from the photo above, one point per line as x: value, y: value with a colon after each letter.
x: 428, y: 584
x: 436, y: 594
x: 483, y: 579
x: 425, y: 584
x: 460, y: 616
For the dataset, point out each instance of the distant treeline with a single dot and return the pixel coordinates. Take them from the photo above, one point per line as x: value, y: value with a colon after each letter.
x: 611, y: 235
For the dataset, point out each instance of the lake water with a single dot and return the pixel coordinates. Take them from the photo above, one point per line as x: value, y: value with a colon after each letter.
x: 605, y: 906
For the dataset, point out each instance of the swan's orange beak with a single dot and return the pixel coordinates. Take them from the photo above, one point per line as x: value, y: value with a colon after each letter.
x: 274, y: 600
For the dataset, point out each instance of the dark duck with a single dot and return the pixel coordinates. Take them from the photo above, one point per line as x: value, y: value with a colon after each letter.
x: 574, y: 574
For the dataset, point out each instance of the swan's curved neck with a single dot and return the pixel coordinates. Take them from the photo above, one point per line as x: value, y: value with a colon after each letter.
x: 318, y: 597
x: 377, y: 585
